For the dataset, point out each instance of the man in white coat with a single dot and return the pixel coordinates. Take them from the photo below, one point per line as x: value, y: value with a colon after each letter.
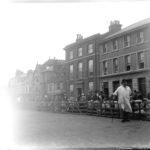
x: 123, y: 92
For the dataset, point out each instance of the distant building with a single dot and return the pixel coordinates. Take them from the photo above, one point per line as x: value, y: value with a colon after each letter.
x: 52, y: 75
x: 126, y: 55
x: 20, y: 85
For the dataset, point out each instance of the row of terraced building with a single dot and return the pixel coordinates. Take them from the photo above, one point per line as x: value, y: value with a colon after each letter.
x: 96, y: 63
x: 101, y: 61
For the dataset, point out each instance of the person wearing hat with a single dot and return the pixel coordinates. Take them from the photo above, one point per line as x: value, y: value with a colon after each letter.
x: 123, y: 92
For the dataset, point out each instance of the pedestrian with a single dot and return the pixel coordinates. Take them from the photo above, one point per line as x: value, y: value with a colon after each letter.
x: 123, y: 92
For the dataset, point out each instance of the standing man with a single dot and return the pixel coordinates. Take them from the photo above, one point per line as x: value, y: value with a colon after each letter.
x: 123, y: 92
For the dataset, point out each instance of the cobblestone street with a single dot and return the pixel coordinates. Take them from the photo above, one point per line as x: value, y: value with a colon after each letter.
x: 45, y: 129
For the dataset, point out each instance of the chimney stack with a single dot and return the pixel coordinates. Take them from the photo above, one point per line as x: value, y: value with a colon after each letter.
x: 79, y: 37
x: 115, y: 26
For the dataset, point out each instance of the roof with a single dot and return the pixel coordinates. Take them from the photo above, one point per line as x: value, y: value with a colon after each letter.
x: 83, y: 40
x: 131, y: 27
x: 51, y: 62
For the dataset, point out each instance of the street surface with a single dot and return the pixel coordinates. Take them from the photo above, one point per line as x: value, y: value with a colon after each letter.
x: 45, y: 129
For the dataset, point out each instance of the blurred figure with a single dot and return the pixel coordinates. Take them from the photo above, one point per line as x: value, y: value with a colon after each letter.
x: 123, y: 92
x: 134, y: 95
x: 83, y: 97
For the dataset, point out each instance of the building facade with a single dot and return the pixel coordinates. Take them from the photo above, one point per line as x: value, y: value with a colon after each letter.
x: 81, y: 64
x: 52, y: 74
x: 126, y: 55
x: 101, y: 61
x: 21, y: 84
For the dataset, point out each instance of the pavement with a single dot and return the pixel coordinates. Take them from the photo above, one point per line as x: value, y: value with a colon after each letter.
x: 56, y: 130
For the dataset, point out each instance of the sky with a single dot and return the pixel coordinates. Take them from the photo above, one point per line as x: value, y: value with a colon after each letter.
x: 33, y: 32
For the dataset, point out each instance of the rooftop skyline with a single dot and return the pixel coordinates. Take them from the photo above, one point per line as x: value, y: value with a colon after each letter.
x: 33, y: 32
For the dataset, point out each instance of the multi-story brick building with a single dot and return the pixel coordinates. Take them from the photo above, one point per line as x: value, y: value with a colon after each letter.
x: 81, y: 64
x: 100, y: 62
x: 126, y: 54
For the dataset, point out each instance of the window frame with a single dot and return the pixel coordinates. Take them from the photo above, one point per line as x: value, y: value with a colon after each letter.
x: 127, y: 64
x: 71, y: 89
x: 80, y: 71
x: 105, y: 46
x: 105, y: 69
x: 89, y: 86
x: 91, y: 71
x: 115, y: 65
x: 71, y: 72
x: 80, y: 51
x: 138, y: 36
x: 71, y: 54
x: 140, y: 61
x: 115, y: 41
x: 127, y: 41
x: 90, y: 48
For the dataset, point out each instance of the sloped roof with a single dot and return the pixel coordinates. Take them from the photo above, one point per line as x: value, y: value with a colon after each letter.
x: 82, y: 41
x: 131, y: 27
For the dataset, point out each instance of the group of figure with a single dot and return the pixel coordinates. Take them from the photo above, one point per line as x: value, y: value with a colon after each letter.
x: 123, y: 94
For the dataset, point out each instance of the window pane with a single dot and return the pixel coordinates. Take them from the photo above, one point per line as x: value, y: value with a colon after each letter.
x: 71, y: 68
x: 115, y: 65
x: 104, y: 48
x: 80, y: 52
x: 140, y: 37
x: 91, y: 86
x: 71, y: 87
x: 71, y: 71
x: 141, y: 60
x: 128, y: 62
x: 90, y: 66
x: 126, y: 40
x: 105, y: 67
x: 115, y: 45
x: 71, y: 54
x: 90, y: 48
x: 80, y: 67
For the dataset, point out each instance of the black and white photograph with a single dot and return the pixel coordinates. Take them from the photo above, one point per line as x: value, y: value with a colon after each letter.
x: 75, y: 74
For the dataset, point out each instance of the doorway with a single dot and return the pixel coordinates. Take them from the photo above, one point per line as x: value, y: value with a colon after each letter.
x: 142, y: 86
x: 79, y: 91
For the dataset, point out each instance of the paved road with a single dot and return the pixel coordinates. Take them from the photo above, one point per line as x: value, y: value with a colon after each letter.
x: 47, y: 129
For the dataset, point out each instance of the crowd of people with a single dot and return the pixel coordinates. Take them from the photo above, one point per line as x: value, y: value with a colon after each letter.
x: 122, y: 94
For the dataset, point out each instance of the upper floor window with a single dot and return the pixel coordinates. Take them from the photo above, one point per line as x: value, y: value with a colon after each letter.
x: 128, y: 63
x: 80, y: 69
x: 91, y: 86
x: 50, y: 68
x: 70, y: 54
x: 141, y: 60
x: 126, y: 41
x: 105, y: 67
x: 71, y: 71
x: 71, y: 88
x: 90, y: 67
x: 140, y: 37
x: 49, y: 87
x: 61, y: 85
x: 80, y: 51
x: 115, y: 44
x: 90, y: 48
x: 115, y: 65
x: 105, y: 48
